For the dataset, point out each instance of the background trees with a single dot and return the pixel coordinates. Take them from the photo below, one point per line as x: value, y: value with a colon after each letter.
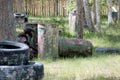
x: 94, y: 12
x: 80, y: 19
x: 119, y: 9
x: 98, y: 10
x: 109, y: 4
x: 98, y: 21
x: 88, y: 16
x: 19, y: 6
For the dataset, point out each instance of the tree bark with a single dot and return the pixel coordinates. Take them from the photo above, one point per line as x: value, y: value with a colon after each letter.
x: 88, y: 16
x: 7, y: 25
x: 98, y: 24
x: 109, y: 3
x: 94, y: 12
x: 119, y: 10
x: 79, y: 19
x: 56, y: 7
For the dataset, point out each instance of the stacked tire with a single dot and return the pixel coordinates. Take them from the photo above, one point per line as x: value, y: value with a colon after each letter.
x: 14, y: 64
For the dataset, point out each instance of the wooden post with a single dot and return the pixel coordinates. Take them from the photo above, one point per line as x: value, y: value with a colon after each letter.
x: 72, y: 21
x: 40, y: 40
x: 48, y: 41
x: 46, y: 36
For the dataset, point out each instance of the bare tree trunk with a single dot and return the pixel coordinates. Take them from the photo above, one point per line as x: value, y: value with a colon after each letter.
x: 88, y: 16
x: 94, y: 12
x: 119, y: 10
x: 79, y: 19
x: 7, y: 25
x: 109, y: 3
x: 56, y: 7
x: 98, y: 24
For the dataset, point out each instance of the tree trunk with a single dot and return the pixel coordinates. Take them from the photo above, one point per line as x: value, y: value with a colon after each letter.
x: 56, y: 7
x: 109, y: 3
x: 119, y: 10
x: 98, y: 24
x: 94, y: 12
x: 79, y: 19
x: 72, y: 21
x: 7, y: 25
x: 88, y: 16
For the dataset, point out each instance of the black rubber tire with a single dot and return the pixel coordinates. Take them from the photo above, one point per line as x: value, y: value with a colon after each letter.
x: 107, y: 50
x: 32, y: 71
x: 13, y: 53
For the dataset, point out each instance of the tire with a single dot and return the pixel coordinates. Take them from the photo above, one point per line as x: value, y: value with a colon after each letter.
x: 13, y: 53
x: 32, y: 71
x: 107, y: 50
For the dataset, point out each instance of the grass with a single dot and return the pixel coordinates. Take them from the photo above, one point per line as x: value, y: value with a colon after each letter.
x: 57, y: 20
x: 102, y: 67
x: 110, y: 37
x: 95, y: 67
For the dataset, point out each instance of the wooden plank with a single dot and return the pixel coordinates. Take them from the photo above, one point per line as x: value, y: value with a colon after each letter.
x: 51, y: 41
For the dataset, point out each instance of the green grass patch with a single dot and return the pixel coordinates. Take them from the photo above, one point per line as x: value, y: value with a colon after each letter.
x: 56, y: 20
x: 110, y: 38
x: 102, y: 67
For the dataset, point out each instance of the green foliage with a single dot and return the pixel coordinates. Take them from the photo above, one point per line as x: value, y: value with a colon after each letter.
x: 110, y: 36
x: 53, y: 20
x: 70, y: 5
x: 115, y: 2
x: 67, y: 34
x: 19, y: 28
